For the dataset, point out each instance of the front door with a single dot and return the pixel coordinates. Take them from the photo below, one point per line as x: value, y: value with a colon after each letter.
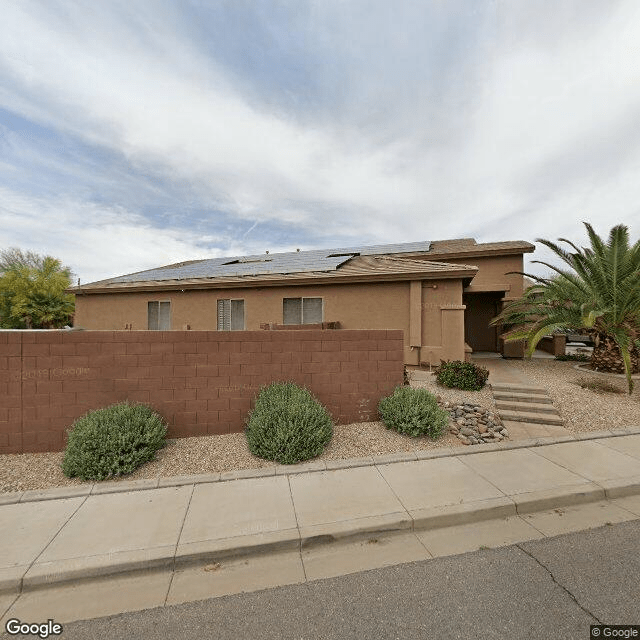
x: 481, y: 308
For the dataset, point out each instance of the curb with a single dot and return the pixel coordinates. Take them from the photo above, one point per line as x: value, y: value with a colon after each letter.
x: 59, y: 493
x: 38, y: 576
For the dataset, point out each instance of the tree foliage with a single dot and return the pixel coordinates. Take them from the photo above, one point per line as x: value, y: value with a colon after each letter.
x: 598, y: 294
x: 32, y: 291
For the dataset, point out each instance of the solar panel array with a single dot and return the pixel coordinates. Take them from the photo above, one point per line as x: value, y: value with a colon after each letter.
x: 291, y: 262
x: 383, y: 249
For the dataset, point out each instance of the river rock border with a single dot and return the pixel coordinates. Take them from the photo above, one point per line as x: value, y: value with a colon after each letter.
x: 473, y: 424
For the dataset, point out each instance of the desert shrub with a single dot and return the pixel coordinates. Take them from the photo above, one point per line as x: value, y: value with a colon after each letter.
x: 461, y: 375
x: 578, y: 357
x: 287, y: 425
x: 413, y: 412
x: 597, y: 385
x: 113, y: 441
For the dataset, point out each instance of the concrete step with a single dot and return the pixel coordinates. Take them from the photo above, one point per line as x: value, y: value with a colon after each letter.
x: 536, y: 398
x: 526, y: 407
x: 537, y: 418
x: 535, y: 429
x: 518, y: 388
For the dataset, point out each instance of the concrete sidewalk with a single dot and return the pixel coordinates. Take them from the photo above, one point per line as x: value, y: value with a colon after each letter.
x: 96, y: 530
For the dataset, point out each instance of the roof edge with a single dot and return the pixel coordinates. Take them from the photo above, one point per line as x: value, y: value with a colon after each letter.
x: 459, y: 271
x: 477, y: 252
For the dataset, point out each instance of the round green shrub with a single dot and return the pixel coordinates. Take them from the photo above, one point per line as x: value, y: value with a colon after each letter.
x: 413, y: 412
x: 461, y: 375
x: 287, y: 424
x: 113, y: 441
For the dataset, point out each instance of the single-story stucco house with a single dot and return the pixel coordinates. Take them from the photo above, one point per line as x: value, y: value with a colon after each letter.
x: 442, y: 294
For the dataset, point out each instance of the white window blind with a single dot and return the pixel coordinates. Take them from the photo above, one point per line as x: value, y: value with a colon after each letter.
x: 230, y: 315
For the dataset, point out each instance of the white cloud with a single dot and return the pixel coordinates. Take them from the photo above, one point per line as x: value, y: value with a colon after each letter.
x: 92, y: 239
x: 509, y: 134
x: 139, y: 101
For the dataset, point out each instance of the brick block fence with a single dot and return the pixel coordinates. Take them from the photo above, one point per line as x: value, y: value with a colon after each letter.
x: 201, y: 382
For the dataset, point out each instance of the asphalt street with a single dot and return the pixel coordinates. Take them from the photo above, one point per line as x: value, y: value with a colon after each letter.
x: 553, y: 588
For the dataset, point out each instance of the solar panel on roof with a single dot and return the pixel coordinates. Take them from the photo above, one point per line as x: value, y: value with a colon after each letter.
x: 383, y: 249
x: 280, y: 263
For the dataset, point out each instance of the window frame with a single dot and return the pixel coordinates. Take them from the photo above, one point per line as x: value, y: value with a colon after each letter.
x: 230, y: 301
x: 158, y: 316
x: 302, y: 299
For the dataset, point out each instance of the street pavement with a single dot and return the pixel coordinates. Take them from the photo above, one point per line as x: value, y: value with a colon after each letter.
x: 549, y: 589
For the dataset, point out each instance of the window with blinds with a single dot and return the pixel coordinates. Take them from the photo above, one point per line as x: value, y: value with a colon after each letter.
x: 301, y: 310
x: 159, y: 316
x: 230, y: 315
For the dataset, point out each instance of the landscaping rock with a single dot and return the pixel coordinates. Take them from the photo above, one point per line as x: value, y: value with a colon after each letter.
x: 472, y: 424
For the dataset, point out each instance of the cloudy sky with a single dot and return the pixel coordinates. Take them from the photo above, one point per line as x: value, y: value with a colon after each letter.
x: 137, y: 133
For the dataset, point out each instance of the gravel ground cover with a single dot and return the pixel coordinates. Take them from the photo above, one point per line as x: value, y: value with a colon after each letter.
x: 583, y: 409
x: 209, y: 454
x: 484, y: 397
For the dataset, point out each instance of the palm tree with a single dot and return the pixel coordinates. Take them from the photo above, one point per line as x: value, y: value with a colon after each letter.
x: 599, y: 294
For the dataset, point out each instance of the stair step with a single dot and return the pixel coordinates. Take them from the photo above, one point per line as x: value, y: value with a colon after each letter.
x: 521, y: 397
x: 526, y: 407
x: 537, y: 418
x: 553, y: 430
x: 518, y: 388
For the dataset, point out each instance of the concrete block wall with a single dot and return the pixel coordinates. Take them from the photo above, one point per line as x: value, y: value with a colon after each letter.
x: 201, y: 382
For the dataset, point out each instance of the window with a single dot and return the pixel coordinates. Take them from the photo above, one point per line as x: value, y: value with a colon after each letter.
x: 159, y: 316
x: 302, y: 310
x: 230, y: 315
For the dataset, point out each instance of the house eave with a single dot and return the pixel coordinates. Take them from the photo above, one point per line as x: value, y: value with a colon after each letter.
x: 484, y: 253
x: 466, y: 274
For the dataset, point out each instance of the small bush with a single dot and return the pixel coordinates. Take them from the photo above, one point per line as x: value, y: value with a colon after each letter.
x: 461, y: 375
x: 413, y: 412
x: 287, y: 425
x: 578, y: 357
x: 113, y: 441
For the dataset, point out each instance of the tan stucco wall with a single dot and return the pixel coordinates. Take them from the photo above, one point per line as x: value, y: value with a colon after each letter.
x: 442, y: 321
x: 492, y: 274
x: 355, y: 306
x: 430, y: 312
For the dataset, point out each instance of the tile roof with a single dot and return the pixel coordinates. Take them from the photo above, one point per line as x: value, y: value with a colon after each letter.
x: 267, y: 263
x: 353, y: 262
x: 469, y: 245
x: 357, y: 268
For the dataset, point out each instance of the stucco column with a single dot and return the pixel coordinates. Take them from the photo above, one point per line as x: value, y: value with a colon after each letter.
x: 412, y: 349
x: 415, y: 314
